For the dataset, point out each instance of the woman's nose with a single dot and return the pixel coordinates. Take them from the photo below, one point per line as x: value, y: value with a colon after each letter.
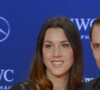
x: 57, y: 52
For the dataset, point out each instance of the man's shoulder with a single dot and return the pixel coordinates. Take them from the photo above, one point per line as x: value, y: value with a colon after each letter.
x: 91, y: 85
x: 93, y: 82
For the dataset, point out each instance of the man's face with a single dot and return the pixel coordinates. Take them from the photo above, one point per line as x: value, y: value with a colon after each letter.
x: 95, y: 44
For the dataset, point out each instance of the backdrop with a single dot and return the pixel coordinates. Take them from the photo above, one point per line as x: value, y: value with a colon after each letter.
x: 20, y: 23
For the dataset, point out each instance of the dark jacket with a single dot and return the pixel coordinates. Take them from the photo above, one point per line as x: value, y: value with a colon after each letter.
x: 92, y: 85
x: 20, y: 86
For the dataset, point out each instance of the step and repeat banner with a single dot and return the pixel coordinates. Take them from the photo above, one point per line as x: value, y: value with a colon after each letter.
x: 20, y: 23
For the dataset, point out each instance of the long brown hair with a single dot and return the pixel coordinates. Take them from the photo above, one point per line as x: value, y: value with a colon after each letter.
x: 37, y: 77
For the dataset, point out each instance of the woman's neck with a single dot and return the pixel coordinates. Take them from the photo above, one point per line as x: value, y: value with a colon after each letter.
x: 59, y: 82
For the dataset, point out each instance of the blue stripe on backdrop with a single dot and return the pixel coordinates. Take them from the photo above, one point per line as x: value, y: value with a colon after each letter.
x: 25, y: 18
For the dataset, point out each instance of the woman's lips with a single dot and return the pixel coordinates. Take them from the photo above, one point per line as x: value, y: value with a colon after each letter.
x: 57, y: 62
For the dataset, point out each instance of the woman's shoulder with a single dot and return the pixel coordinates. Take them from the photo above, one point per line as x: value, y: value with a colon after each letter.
x: 20, y: 86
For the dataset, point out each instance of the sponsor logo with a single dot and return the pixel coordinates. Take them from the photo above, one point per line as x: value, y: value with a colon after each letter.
x: 5, y: 87
x: 83, y: 26
x: 4, y: 29
x: 88, y: 79
x: 5, y: 74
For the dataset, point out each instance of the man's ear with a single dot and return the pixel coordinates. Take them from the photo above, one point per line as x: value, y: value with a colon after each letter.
x: 91, y: 44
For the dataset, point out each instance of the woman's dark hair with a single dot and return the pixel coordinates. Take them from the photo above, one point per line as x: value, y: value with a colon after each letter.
x: 96, y: 22
x: 37, y: 77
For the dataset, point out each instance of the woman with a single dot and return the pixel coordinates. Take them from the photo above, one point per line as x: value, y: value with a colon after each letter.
x: 58, y: 60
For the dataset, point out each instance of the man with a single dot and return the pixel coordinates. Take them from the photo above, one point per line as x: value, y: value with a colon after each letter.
x: 95, y: 45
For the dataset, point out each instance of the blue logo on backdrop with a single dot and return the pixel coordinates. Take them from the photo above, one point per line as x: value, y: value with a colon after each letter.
x: 6, y: 76
x: 83, y: 25
x: 4, y: 29
x: 88, y: 79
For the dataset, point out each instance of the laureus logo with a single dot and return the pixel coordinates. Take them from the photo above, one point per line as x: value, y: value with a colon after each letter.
x: 4, y: 29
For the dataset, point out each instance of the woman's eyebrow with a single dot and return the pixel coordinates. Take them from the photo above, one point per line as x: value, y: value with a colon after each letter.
x: 64, y: 41
x: 95, y: 43
x: 47, y: 41
x: 60, y: 41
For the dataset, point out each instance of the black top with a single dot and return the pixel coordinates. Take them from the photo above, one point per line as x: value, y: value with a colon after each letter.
x: 20, y: 86
x: 25, y: 86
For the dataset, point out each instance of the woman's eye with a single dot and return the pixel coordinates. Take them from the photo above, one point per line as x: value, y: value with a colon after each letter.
x: 65, y: 45
x: 48, y: 46
x: 97, y: 46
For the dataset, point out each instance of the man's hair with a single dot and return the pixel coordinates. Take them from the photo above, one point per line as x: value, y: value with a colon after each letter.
x: 96, y: 22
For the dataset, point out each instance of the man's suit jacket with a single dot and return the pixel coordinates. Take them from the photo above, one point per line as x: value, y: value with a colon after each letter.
x: 92, y: 85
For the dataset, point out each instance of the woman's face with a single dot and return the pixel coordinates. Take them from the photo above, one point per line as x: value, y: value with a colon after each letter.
x: 57, y: 52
